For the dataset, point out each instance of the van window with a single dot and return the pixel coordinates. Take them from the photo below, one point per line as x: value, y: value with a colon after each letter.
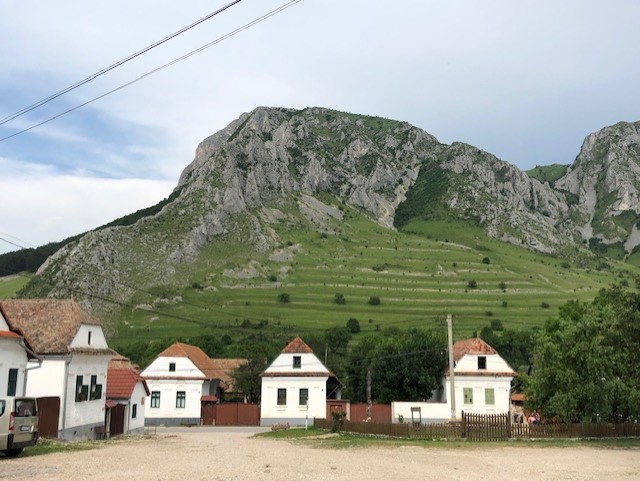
x: 3, y: 403
x: 25, y: 408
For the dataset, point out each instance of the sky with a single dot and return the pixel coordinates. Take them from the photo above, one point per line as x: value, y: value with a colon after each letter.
x: 524, y: 80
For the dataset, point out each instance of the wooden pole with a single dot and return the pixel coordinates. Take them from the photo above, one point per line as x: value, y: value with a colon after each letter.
x: 368, y: 394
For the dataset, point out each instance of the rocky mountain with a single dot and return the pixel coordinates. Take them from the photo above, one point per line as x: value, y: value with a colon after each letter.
x: 275, y: 166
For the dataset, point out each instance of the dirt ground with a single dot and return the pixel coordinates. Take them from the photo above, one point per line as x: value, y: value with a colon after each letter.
x: 232, y: 455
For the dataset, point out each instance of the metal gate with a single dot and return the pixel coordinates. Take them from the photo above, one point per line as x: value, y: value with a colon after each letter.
x: 48, y: 416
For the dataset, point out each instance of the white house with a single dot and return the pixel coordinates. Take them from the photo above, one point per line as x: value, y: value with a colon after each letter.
x: 482, y: 383
x: 180, y: 378
x: 15, y: 354
x: 296, y: 386
x: 73, y: 360
x: 126, y: 396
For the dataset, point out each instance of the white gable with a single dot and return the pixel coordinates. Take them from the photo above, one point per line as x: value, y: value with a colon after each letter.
x: 172, y: 368
x: 89, y: 337
x: 3, y: 323
x: 482, y: 363
x: 297, y: 364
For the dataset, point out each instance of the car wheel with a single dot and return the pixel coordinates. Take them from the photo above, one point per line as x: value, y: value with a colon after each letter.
x: 12, y: 453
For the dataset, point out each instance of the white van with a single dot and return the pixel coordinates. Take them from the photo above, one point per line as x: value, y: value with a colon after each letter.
x: 18, y: 424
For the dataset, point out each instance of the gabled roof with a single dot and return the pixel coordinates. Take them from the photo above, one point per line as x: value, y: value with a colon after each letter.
x: 121, y: 381
x: 49, y: 325
x: 297, y: 346
x: 211, y: 368
x: 471, y: 346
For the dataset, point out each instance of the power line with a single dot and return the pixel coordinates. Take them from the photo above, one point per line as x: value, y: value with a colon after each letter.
x: 113, y: 66
x: 169, y: 64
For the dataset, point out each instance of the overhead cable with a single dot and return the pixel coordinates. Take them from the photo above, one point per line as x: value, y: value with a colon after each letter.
x: 169, y: 64
x: 113, y: 66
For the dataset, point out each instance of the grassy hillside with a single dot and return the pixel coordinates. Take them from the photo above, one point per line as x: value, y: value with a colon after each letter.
x: 9, y: 285
x: 419, y: 275
x: 547, y: 173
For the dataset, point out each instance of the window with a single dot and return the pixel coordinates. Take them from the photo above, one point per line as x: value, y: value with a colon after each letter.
x: 297, y: 362
x: 95, y: 390
x: 25, y: 408
x: 482, y: 362
x: 134, y: 411
x: 282, y: 397
x: 82, y: 390
x: 3, y: 404
x: 172, y: 367
x: 304, y: 396
x: 489, y: 396
x: 155, y: 399
x: 89, y: 338
x: 12, y: 385
x: 468, y: 395
x: 181, y: 399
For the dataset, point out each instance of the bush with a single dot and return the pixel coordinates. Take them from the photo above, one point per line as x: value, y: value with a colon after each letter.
x: 544, y: 305
x: 472, y: 284
x: 353, y: 325
x: 284, y: 298
x: 374, y: 301
x: 504, y: 303
x: 273, y: 278
x: 339, y: 299
x: 502, y: 286
x: 496, y: 325
x: 486, y: 260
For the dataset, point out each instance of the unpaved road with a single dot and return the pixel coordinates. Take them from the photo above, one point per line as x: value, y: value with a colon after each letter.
x: 233, y: 455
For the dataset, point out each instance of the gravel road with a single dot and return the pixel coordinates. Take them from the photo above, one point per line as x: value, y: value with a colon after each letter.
x: 234, y: 455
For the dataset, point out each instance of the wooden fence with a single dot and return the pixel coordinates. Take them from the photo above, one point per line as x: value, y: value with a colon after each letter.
x: 476, y: 427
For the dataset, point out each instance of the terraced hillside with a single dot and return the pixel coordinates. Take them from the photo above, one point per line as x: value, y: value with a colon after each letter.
x: 419, y: 275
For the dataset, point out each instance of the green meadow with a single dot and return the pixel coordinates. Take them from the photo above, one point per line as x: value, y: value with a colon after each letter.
x: 419, y: 275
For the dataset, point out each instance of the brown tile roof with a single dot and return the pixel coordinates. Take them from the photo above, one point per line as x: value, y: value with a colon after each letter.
x: 297, y: 346
x: 121, y: 381
x: 49, y: 325
x: 471, y: 346
x: 211, y: 368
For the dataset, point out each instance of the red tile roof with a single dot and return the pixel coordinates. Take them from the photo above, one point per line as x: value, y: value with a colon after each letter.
x: 121, y: 381
x: 211, y: 368
x: 297, y: 346
x: 9, y: 334
x: 471, y: 346
x: 49, y: 325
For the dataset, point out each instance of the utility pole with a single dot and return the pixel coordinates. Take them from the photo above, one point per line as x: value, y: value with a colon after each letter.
x: 368, y: 393
x: 452, y: 390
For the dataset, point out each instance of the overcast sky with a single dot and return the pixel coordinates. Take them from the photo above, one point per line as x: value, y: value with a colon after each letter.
x: 524, y: 80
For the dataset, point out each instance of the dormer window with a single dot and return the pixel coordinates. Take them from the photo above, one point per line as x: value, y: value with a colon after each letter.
x: 172, y: 367
x: 297, y: 362
x: 482, y: 363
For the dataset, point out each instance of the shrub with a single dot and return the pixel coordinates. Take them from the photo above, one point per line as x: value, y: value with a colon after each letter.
x: 374, y: 300
x: 502, y: 286
x: 284, y: 297
x: 544, y: 305
x: 488, y: 313
x: 273, y: 278
x: 486, y: 260
x: 339, y: 299
x: 353, y: 325
x: 472, y: 284
x: 504, y: 303
x: 496, y: 325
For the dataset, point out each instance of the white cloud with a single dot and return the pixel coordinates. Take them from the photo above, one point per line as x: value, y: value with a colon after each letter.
x: 526, y: 80
x: 41, y: 206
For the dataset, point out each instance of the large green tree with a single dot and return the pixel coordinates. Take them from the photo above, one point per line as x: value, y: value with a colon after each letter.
x: 405, y: 365
x: 587, y: 366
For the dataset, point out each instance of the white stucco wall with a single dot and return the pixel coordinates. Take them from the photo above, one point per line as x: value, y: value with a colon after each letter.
x: 184, y: 368
x: 12, y: 356
x: 292, y: 412
x: 168, y: 389
x: 138, y: 397
x: 46, y: 380
x: 309, y: 362
x: 89, y: 336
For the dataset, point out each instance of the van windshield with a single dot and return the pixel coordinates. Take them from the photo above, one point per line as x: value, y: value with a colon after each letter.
x: 25, y: 408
